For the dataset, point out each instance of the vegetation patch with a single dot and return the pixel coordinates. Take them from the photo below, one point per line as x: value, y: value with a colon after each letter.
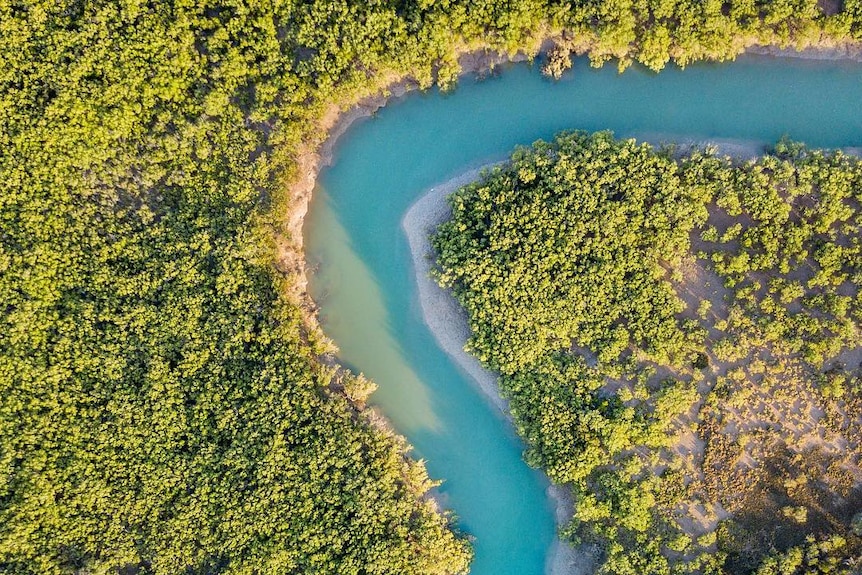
x: 679, y: 338
x: 162, y: 408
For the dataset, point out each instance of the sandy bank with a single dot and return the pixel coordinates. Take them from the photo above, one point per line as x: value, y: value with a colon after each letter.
x: 826, y: 51
x: 448, y: 322
x: 441, y: 311
x: 738, y: 149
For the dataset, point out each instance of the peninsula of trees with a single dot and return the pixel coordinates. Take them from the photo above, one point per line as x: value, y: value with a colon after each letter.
x: 679, y: 339
x: 162, y: 406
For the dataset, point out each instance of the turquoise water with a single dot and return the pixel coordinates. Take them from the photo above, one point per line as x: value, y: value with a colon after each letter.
x: 363, y: 278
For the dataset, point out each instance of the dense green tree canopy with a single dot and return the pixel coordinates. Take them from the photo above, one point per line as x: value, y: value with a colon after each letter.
x: 161, y: 407
x: 676, y: 337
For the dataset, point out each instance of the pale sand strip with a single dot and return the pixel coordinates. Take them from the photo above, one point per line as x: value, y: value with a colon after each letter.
x: 441, y: 311
x: 825, y: 51
x: 448, y: 322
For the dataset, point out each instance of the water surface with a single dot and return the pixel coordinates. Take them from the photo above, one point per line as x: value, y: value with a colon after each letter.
x: 363, y: 279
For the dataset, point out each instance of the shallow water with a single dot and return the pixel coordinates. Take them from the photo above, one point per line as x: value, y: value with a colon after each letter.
x: 363, y: 280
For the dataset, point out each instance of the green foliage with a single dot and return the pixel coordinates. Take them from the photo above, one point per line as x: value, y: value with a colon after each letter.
x: 564, y: 247
x: 687, y: 30
x: 161, y: 407
x: 572, y: 262
x: 161, y: 410
x: 358, y: 388
x: 825, y: 557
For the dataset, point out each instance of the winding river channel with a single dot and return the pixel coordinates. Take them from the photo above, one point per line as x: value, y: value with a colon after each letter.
x: 362, y: 274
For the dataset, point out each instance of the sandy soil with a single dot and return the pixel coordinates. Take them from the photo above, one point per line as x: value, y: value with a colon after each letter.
x: 448, y: 322
x: 441, y: 311
x: 738, y: 149
x: 823, y: 52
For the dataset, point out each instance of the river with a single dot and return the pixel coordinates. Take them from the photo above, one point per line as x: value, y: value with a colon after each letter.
x: 363, y: 281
